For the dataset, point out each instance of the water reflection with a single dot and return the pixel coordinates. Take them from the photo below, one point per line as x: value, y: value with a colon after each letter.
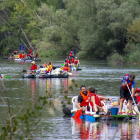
x: 105, y: 130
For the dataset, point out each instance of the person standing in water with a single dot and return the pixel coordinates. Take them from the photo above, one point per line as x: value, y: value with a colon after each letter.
x: 128, y: 81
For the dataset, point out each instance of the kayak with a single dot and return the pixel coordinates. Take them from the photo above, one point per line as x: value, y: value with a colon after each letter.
x: 44, y: 76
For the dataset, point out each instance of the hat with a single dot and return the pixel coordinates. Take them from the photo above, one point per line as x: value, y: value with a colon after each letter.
x: 75, y: 57
x: 33, y: 62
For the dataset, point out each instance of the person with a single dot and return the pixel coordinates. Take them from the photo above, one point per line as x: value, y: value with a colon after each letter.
x: 33, y: 68
x: 36, y: 56
x: 12, y: 56
x: 48, y: 69
x: 96, y: 102
x: 83, y: 98
x: 65, y: 69
x: 67, y: 59
x: 71, y: 55
x: 137, y: 100
x: 15, y: 52
x: 2, y: 76
x: 128, y: 80
x: 45, y: 65
x: 76, y: 62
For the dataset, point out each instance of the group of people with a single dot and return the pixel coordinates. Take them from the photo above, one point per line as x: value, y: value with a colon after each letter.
x: 126, y: 93
x: 71, y: 61
x: 23, y: 55
x: 49, y: 68
x: 91, y: 97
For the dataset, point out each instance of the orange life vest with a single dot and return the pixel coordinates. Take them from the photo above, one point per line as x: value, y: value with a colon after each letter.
x: 85, y: 101
x: 66, y: 68
x: 45, y: 65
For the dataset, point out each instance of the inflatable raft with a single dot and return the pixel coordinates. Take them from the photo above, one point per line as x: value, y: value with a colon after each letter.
x: 26, y: 60
x: 44, y: 76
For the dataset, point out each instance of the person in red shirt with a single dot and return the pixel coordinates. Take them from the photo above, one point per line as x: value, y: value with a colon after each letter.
x: 36, y: 56
x: 33, y: 68
x: 137, y: 100
x: 96, y: 102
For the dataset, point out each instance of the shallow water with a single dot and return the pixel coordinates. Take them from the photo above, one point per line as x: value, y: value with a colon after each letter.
x: 102, y: 76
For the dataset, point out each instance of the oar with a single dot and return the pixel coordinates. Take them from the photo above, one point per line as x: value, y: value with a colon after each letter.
x: 132, y: 98
x: 62, y: 64
x: 6, y: 76
x: 78, y: 114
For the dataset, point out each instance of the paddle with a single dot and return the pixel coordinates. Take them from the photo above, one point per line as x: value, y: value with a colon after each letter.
x: 6, y: 76
x: 62, y: 64
x: 78, y: 114
x: 132, y: 98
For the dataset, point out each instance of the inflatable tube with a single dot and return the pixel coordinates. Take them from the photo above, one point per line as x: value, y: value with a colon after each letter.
x: 28, y: 76
x: 78, y: 69
x: 43, y: 76
x: 38, y: 60
x: 67, y: 111
x: 5, y: 58
x: 59, y: 76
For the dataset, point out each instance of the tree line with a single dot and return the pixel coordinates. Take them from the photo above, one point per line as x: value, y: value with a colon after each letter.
x: 92, y: 29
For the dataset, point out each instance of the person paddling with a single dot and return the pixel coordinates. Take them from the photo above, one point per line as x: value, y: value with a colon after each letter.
x: 128, y: 80
x: 33, y: 68
x: 76, y: 62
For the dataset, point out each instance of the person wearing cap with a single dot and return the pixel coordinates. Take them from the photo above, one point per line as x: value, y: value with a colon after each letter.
x: 76, y: 62
x: 33, y: 68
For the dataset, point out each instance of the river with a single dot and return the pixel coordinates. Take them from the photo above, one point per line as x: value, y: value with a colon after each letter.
x: 104, y: 77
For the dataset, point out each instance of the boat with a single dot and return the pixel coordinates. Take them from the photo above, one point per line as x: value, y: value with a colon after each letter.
x: 44, y: 76
x: 92, y: 116
x: 25, y: 60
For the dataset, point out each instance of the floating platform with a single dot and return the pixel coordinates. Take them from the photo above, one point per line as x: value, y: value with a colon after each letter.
x: 44, y: 76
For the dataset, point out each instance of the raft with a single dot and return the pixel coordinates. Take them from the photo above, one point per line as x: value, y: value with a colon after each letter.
x: 91, y: 116
x: 26, y: 60
x: 44, y: 76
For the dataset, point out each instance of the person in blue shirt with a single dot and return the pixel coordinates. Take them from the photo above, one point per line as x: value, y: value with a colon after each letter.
x: 71, y: 55
x: 124, y: 92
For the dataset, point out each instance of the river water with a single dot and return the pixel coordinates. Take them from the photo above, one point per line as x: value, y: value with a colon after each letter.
x: 105, y: 78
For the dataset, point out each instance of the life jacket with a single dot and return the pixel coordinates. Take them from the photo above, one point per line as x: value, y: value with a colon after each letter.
x: 45, y: 65
x: 76, y: 61
x: 51, y: 67
x: 138, y: 99
x: 73, y: 60
x: 70, y: 54
x: 97, y: 100
x: 66, y: 68
x: 126, y: 80
x: 85, y: 101
x: 48, y: 68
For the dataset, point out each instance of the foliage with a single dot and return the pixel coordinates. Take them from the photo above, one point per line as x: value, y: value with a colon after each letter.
x: 91, y: 28
x: 24, y: 123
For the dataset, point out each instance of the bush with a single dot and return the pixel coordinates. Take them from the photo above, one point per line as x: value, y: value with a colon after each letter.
x: 115, y: 58
x: 134, y: 57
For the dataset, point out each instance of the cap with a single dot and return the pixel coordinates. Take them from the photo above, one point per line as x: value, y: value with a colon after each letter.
x: 33, y: 62
x: 75, y: 57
